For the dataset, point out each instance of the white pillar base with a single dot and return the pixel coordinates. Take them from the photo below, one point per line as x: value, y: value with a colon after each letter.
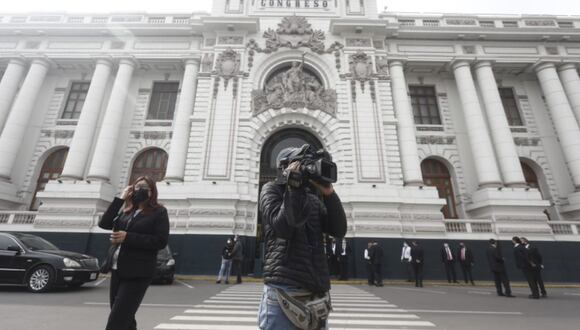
x: 514, y: 211
x: 73, y: 204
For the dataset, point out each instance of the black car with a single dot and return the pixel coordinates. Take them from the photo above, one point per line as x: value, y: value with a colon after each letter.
x: 165, y: 266
x: 32, y: 261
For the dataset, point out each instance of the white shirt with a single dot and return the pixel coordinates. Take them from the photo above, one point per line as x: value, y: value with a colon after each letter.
x: 343, y: 247
x: 406, y: 253
x: 367, y: 257
x: 116, y: 254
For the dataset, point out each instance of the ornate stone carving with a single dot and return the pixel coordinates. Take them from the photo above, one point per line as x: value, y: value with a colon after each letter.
x: 231, y: 40
x: 436, y: 139
x: 382, y: 65
x: 361, y: 66
x: 358, y: 42
x: 540, y: 22
x: 207, y: 62
x: 527, y: 142
x: 461, y: 21
x: 294, y: 88
x: 227, y: 67
x: 294, y: 32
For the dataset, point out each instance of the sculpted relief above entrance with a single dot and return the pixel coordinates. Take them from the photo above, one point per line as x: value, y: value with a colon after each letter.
x: 293, y: 85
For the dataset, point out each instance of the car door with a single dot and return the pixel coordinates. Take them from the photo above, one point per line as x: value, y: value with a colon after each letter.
x: 10, y: 271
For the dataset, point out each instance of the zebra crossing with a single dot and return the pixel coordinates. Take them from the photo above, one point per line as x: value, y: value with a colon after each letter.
x: 236, y: 307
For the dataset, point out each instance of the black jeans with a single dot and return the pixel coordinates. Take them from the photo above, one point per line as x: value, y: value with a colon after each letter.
x: 450, y: 271
x: 408, y: 269
x: 466, y: 269
x: 378, y: 273
x: 531, y: 277
x: 343, y: 265
x: 540, y: 281
x: 370, y: 273
x: 237, y: 269
x: 125, y: 296
x: 502, y: 278
x: 418, y: 269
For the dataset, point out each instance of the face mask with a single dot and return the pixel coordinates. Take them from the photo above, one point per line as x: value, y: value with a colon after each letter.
x: 139, y: 196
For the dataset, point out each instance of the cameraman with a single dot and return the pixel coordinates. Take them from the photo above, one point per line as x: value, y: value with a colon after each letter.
x: 295, y: 217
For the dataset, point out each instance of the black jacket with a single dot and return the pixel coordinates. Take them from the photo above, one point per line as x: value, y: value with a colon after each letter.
x: 521, y: 257
x: 377, y: 255
x: 227, y: 252
x: 495, y: 259
x: 294, y: 221
x: 468, y: 257
x: 444, y: 255
x: 417, y: 255
x: 146, y: 234
x: 535, y: 257
x: 238, y: 251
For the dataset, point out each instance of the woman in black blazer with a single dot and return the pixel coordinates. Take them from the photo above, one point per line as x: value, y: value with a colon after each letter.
x: 140, y: 229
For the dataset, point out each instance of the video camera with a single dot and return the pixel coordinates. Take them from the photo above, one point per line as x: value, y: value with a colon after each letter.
x: 315, y: 165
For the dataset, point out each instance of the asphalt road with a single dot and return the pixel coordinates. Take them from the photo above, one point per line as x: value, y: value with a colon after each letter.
x: 191, y: 304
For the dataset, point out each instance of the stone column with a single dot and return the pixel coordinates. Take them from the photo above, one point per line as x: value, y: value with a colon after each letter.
x: 405, y: 126
x: 509, y: 162
x: 104, y: 152
x: 571, y: 82
x: 182, y: 124
x: 481, y: 147
x: 563, y: 117
x: 9, y: 86
x: 78, y: 155
x: 18, y: 120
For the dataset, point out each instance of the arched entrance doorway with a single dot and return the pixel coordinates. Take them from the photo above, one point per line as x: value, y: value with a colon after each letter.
x: 291, y: 137
x: 51, y: 170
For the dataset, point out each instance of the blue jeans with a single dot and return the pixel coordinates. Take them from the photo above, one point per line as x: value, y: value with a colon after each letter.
x: 271, y: 316
x: 225, y: 269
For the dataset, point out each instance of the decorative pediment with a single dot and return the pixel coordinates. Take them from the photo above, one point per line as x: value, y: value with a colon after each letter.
x: 294, y: 32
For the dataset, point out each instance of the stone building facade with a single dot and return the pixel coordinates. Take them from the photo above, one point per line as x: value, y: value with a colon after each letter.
x: 442, y: 126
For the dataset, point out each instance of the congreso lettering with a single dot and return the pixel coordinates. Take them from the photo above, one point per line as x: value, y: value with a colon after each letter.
x: 294, y: 3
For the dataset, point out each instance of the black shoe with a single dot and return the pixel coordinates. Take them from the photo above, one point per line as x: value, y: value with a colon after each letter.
x: 544, y: 295
x: 501, y: 294
x: 455, y: 282
x: 218, y: 282
x: 379, y: 284
x: 533, y: 297
x: 510, y: 295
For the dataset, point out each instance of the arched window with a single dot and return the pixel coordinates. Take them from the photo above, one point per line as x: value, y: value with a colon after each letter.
x: 151, y: 163
x: 51, y: 170
x: 531, y: 177
x: 436, y: 174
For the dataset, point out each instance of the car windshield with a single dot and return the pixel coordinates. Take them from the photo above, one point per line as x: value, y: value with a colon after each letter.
x: 36, y: 243
x: 164, y: 253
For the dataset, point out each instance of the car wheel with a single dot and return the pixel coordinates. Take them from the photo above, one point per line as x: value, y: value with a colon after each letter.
x: 40, y: 279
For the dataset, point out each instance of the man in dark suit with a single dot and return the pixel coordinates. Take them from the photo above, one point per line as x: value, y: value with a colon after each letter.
x: 466, y: 261
x: 377, y: 262
x: 448, y: 261
x: 367, y: 257
x: 343, y: 254
x: 497, y: 267
x: 537, y: 264
x: 417, y: 260
x: 523, y: 263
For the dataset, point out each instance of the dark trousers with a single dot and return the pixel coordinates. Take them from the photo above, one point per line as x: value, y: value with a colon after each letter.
x: 370, y: 273
x: 418, y: 270
x: 502, y: 278
x: 408, y: 269
x: 450, y: 271
x: 125, y: 296
x: 378, y: 273
x: 343, y: 265
x: 466, y: 269
x: 531, y: 277
x: 540, y: 281
x: 237, y: 270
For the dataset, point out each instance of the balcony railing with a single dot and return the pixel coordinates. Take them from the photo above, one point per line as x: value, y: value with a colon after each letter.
x: 100, y: 19
x: 469, y: 226
x: 17, y: 217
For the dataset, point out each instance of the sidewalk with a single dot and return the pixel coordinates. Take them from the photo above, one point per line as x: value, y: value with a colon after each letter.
x: 386, y: 282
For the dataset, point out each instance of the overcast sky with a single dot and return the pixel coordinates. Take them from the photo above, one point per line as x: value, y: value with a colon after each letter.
x: 561, y: 7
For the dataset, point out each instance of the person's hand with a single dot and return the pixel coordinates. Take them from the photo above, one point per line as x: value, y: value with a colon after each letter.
x: 127, y: 192
x: 326, y: 191
x: 118, y: 237
x: 294, y: 166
